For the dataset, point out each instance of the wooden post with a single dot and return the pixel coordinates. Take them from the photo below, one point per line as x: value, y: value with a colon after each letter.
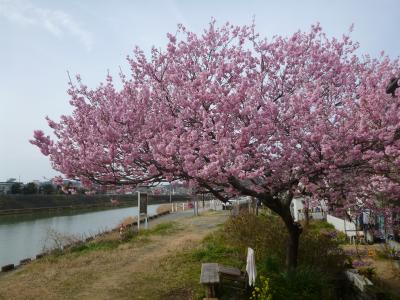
x: 256, y: 200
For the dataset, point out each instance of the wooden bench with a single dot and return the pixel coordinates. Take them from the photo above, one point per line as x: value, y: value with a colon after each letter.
x: 232, y: 277
x: 213, y: 274
x: 209, y: 277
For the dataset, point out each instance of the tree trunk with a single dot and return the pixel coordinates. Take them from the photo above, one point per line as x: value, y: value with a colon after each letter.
x: 306, y: 217
x: 294, y: 231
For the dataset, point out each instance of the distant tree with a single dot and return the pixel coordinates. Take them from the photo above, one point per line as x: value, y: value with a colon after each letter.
x: 30, y: 188
x: 47, y: 189
x: 81, y: 191
x: 11, y: 180
x: 16, y: 188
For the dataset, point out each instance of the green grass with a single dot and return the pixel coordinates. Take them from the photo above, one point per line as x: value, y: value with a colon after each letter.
x: 215, y: 248
x: 318, y: 225
x: 180, y: 271
x: 94, y: 246
x: 162, y: 229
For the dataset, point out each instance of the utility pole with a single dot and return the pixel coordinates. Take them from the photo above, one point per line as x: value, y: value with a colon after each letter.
x: 170, y: 192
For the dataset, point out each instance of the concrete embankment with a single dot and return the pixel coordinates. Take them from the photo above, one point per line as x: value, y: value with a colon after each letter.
x: 28, y: 204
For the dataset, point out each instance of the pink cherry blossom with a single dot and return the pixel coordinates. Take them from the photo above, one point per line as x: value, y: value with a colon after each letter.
x: 237, y: 114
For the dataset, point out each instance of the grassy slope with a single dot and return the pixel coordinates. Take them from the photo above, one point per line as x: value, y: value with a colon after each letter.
x: 163, y: 263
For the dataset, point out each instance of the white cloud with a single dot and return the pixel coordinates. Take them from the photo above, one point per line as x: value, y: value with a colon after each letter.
x: 56, y: 22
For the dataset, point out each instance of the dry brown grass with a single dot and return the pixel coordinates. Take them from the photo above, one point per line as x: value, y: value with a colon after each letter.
x: 163, y: 208
x: 127, y: 222
x: 141, y: 269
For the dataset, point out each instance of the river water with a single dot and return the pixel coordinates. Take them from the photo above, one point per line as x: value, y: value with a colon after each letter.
x: 24, y: 236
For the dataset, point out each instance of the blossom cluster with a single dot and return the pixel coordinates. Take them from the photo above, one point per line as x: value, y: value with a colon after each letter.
x: 235, y: 113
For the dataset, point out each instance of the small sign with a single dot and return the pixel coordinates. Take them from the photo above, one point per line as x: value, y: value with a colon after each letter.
x: 143, y: 204
x: 142, y: 209
x: 371, y: 253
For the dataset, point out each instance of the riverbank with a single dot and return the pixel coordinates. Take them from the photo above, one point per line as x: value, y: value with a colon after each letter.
x: 25, y: 236
x: 150, y: 265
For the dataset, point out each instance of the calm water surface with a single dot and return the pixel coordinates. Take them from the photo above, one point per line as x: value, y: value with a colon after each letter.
x: 25, y: 236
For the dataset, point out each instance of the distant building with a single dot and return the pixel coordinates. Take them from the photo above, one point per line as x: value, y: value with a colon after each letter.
x: 5, y: 187
x: 298, y: 210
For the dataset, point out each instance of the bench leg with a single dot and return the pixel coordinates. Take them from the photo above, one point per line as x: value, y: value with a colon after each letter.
x: 210, y: 291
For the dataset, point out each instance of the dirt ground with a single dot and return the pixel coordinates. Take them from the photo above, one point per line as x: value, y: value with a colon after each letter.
x: 133, y: 270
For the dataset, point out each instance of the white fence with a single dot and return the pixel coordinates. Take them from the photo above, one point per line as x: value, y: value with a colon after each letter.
x: 312, y: 216
x: 210, y: 204
x: 340, y: 224
x: 349, y: 228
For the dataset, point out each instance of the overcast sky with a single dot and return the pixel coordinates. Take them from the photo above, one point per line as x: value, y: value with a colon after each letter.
x: 41, y: 40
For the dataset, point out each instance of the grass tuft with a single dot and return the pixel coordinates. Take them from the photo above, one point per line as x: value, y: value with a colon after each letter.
x: 94, y: 246
x: 162, y: 229
x: 214, y: 248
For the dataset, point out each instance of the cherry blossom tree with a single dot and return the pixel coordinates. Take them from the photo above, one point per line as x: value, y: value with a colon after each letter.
x: 238, y: 114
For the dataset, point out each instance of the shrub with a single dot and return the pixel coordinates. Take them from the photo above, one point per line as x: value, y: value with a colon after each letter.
x: 263, y: 292
x: 305, y: 283
x: 341, y: 238
x: 127, y: 235
x: 321, y: 258
x: 267, y: 235
x: 321, y: 251
x: 55, y: 242
x: 368, y: 272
